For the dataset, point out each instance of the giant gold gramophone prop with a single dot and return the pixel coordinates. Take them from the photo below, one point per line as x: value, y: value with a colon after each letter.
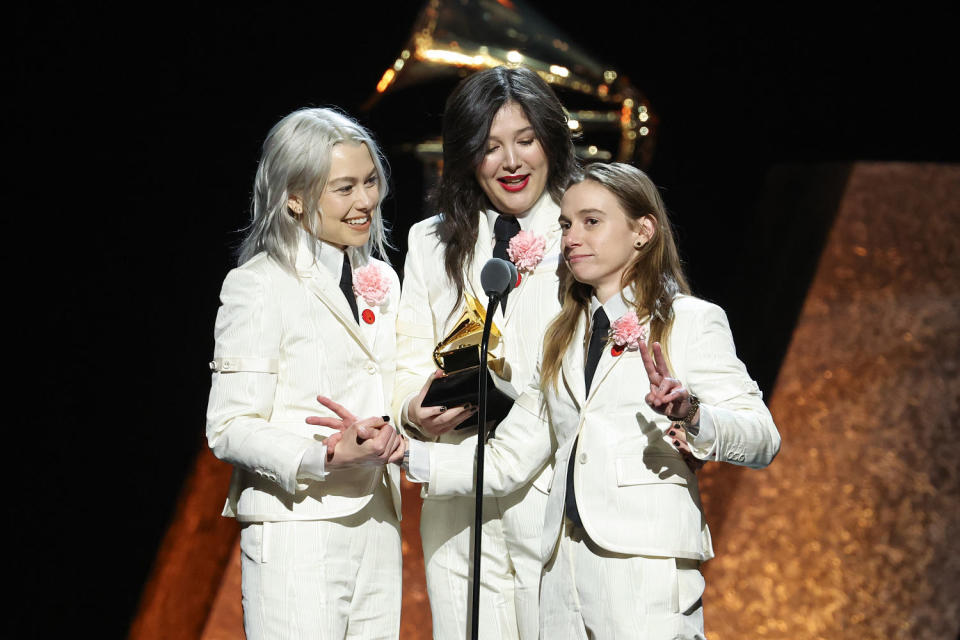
x: 609, y: 117
x: 453, y: 38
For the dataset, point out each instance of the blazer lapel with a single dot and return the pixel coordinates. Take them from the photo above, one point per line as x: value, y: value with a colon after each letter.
x: 572, y: 367
x: 607, y: 363
x: 543, y: 223
x: 320, y: 282
x: 482, y: 252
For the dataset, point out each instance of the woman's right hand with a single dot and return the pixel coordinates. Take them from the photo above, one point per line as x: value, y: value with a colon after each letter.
x: 356, y: 448
x: 356, y: 443
x: 435, y: 421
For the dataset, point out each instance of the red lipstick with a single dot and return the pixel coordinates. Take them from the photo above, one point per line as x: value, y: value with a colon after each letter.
x: 514, y: 186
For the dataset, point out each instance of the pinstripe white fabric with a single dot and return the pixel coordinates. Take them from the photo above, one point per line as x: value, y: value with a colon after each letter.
x: 637, y: 499
x: 423, y: 320
x: 324, y: 579
x: 320, y: 559
x: 255, y: 416
x: 634, y: 492
x: 511, y: 564
x: 590, y: 593
x: 450, y: 586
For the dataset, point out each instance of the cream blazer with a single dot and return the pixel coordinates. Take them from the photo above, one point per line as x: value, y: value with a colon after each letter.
x: 634, y: 492
x: 281, y: 340
x: 429, y: 297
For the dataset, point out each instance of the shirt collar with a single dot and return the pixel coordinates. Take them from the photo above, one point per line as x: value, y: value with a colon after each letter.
x: 325, y: 255
x: 615, y: 307
x: 526, y: 219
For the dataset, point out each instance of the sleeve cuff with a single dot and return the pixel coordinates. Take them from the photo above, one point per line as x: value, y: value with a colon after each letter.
x: 418, y: 469
x: 703, y: 438
x: 313, y: 465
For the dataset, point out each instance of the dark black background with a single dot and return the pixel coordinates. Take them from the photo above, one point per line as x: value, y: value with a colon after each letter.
x: 134, y: 135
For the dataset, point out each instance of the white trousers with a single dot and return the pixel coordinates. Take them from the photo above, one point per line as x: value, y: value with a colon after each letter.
x: 324, y: 579
x: 510, y: 566
x: 590, y: 593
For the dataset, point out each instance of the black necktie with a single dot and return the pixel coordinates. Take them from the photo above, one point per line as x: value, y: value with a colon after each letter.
x: 346, y: 285
x: 503, y: 231
x: 598, y: 340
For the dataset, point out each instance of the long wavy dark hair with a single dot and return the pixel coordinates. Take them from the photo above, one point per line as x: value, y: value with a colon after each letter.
x: 469, y: 111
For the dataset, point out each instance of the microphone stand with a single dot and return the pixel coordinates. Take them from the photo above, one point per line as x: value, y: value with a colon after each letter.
x: 494, y: 300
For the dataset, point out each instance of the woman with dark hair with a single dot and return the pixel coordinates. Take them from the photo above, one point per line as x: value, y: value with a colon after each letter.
x: 624, y: 532
x: 507, y: 154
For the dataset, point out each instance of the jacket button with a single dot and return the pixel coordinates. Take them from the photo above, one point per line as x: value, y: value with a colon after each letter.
x: 371, y: 368
x: 583, y: 458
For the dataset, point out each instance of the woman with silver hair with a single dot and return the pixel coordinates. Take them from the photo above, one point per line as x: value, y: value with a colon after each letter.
x: 310, y: 310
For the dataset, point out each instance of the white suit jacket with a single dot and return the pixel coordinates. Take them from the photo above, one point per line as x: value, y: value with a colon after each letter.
x: 634, y: 492
x: 428, y: 298
x: 280, y: 341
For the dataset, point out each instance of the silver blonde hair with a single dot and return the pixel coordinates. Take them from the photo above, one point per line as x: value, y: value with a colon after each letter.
x: 296, y: 162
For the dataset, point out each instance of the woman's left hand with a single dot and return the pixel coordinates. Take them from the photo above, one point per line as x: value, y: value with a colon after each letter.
x: 667, y: 395
x: 345, y: 420
x: 679, y: 439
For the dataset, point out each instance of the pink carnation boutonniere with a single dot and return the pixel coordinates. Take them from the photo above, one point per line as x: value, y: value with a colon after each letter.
x: 626, y: 333
x: 371, y: 284
x: 526, y: 250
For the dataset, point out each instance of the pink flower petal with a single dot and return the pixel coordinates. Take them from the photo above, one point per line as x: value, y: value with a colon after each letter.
x: 526, y: 250
x: 371, y: 284
x: 627, y: 331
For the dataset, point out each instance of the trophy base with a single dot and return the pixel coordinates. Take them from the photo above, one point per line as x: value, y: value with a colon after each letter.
x: 462, y: 387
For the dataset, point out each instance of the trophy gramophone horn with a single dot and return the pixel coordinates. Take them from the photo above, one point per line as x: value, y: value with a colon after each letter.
x: 460, y: 348
x: 452, y: 38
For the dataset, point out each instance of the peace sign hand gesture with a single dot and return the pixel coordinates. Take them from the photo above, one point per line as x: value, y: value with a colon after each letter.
x: 667, y: 395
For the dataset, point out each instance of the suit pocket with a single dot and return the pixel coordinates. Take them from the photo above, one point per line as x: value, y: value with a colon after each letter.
x: 254, y: 541
x: 651, y: 468
x: 690, y: 586
x: 544, y: 480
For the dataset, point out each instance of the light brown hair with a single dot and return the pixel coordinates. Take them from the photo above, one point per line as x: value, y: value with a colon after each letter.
x: 653, y: 279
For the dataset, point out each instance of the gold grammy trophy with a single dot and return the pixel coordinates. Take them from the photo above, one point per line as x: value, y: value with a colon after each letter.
x: 458, y: 356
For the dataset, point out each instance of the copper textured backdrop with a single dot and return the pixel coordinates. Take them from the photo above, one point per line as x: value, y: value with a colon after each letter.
x: 846, y: 535
x: 851, y: 532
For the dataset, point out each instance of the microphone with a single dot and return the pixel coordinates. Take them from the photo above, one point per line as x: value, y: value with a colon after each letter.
x: 498, y: 277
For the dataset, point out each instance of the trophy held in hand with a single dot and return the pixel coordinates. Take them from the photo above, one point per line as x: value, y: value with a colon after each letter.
x: 458, y: 355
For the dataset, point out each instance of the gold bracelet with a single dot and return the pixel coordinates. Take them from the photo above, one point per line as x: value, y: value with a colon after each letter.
x: 685, y: 420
